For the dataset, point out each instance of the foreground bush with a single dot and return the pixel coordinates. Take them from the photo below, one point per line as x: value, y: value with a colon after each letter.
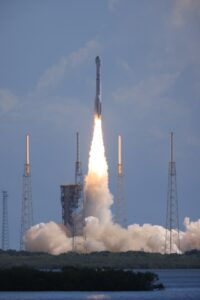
x: 76, y: 279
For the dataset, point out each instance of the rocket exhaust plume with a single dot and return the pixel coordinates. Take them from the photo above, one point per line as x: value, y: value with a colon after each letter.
x: 100, y: 231
x: 98, y: 198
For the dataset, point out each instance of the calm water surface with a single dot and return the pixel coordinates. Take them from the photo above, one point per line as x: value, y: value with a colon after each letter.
x: 180, y: 285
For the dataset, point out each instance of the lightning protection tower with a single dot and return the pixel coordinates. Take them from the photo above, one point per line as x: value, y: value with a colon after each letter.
x: 78, y: 219
x: 78, y: 168
x: 120, y: 217
x: 172, y: 217
x: 27, y: 209
x: 5, y: 231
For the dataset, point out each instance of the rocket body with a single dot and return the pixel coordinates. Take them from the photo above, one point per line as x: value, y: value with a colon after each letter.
x: 97, y: 106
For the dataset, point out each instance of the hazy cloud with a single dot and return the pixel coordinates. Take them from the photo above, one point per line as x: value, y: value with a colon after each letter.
x: 63, y: 111
x: 184, y: 10
x: 146, y: 93
x: 193, y: 140
x: 124, y: 64
x: 112, y: 4
x: 56, y: 72
x: 8, y: 100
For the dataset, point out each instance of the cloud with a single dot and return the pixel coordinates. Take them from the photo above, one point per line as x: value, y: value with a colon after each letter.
x: 63, y: 110
x: 183, y: 11
x: 8, y: 101
x: 124, y: 64
x: 147, y: 93
x: 112, y: 4
x: 56, y: 72
x: 52, y: 107
x: 193, y: 140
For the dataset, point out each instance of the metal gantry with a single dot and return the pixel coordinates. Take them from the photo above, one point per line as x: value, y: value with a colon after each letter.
x: 5, y: 229
x: 72, y: 202
x: 27, y: 208
x: 120, y: 214
x: 79, y: 215
x: 172, y: 216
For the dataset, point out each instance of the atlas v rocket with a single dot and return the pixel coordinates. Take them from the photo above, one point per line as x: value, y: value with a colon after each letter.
x: 97, y: 106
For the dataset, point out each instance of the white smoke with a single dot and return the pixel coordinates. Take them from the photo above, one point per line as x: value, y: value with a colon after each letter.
x: 49, y: 237
x: 98, y: 198
x: 191, y: 238
x: 55, y: 238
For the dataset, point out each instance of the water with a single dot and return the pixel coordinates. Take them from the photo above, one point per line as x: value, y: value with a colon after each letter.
x: 180, y: 285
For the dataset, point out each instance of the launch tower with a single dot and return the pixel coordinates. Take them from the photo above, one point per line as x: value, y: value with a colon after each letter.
x: 5, y: 231
x: 72, y: 200
x: 27, y: 209
x: 172, y: 217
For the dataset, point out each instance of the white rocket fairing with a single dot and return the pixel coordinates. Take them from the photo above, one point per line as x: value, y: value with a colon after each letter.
x: 97, y: 107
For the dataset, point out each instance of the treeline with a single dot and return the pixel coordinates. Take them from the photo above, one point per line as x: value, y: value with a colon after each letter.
x: 76, y: 279
x: 128, y: 260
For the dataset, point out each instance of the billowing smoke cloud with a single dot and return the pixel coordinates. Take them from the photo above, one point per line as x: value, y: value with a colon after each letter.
x: 97, y: 199
x: 191, y: 238
x: 49, y: 237
x: 100, y: 233
x: 55, y: 239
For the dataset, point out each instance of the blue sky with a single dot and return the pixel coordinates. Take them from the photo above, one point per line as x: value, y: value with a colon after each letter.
x: 150, y: 86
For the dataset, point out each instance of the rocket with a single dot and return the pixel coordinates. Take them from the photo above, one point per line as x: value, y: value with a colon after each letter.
x: 97, y: 105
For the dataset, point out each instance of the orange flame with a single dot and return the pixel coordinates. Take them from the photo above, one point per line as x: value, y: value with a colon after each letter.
x: 97, y: 160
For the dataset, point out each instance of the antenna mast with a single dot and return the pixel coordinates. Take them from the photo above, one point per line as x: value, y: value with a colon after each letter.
x: 5, y: 230
x: 77, y: 222
x: 120, y: 198
x: 78, y: 170
x: 172, y: 217
x: 27, y: 209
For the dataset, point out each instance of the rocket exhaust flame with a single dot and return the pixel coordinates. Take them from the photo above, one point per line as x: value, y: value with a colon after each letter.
x: 98, y: 198
x: 97, y: 159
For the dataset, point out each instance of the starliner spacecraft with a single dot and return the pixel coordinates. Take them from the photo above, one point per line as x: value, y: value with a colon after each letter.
x: 97, y: 107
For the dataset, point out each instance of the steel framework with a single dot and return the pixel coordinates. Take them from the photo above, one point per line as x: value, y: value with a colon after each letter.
x: 27, y: 208
x: 5, y: 229
x: 172, y: 216
x: 72, y: 201
x: 120, y: 216
x: 79, y: 216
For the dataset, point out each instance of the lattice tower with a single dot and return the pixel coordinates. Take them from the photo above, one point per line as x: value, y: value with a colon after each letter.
x: 5, y: 228
x: 172, y: 216
x: 78, y: 219
x: 120, y: 214
x: 27, y: 208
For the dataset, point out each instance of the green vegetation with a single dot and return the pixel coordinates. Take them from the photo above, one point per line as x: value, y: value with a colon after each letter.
x: 124, y: 260
x: 76, y: 279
